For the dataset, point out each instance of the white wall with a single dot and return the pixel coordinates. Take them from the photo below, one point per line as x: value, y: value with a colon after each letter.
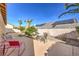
x: 55, y: 32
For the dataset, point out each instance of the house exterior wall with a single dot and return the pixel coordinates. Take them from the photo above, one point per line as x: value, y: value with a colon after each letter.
x: 3, y: 12
x: 3, y: 20
x: 2, y: 25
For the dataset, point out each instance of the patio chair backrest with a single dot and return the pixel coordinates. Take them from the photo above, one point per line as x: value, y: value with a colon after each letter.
x: 14, y: 43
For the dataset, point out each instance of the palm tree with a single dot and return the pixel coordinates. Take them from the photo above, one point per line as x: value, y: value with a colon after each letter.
x: 28, y: 22
x: 20, y: 22
x: 71, y: 11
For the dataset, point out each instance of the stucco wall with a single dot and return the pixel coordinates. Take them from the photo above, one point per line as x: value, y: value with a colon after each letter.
x: 2, y: 25
x: 54, y: 48
x: 40, y: 48
x: 55, y: 32
x: 61, y: 49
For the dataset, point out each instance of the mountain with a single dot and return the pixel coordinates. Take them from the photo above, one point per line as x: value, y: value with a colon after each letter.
x: 69, y: 23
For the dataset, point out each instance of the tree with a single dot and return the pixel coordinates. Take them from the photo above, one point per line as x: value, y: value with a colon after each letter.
x: 21, y: 28
x: 28, y: 22
x: 20, y: 22
x: 70, y: 11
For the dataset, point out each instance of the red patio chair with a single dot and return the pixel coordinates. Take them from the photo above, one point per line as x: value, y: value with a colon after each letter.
x: 12, y: 44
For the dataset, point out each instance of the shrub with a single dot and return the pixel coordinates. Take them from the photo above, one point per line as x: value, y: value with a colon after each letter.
x: 15, y: 27
x: 31, y: 31
x: 21, y: 28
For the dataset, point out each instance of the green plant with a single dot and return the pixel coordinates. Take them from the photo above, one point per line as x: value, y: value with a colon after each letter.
x: 30, y: 31
x: 28, y: 22
x: 72, y: 10
x: 21, y: 28
x: 20, y: 22
x: 15, y: 27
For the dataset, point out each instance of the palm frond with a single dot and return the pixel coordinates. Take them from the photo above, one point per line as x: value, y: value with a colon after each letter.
x: 72, y: 5
x: 69, y: 12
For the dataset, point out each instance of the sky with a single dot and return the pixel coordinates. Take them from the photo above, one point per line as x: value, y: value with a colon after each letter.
x: 38, y: 12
